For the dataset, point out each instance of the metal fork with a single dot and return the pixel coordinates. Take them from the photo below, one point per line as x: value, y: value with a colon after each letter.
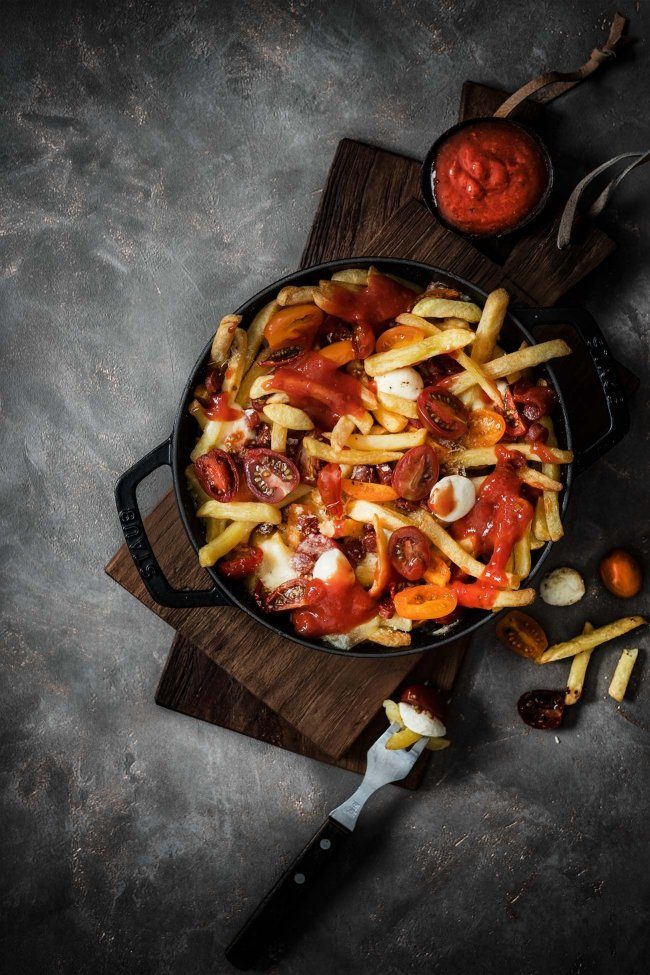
x: 279, y: 906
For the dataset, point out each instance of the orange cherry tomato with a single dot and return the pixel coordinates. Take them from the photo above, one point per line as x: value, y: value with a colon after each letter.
x: 439, y: 571
x: 339, y: 352
x: 520, y: 632
x: 295, y: 325
x: 621, y: 573
x: 399, y: 335
x: 366, y: 491
x: 484, y: 428
x: 427, y: 602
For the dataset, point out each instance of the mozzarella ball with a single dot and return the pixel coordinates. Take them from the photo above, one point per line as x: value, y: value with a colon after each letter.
x: 333, y: 564
x: 421, y: 722
x: 452, y: 497
x: 562, y: 587
x: 405, y: 382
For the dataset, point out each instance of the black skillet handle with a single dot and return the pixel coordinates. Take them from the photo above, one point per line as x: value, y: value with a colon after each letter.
x: 272, y: 920
x: 138, y: 543
x: 613, y: 394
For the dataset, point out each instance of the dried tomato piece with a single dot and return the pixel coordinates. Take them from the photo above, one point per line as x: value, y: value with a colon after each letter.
x: 442, y: 413
x: 542, y: 709
x: 243, y: 560
x: 217, y: 474
x: 295, y: 594
x: 536, y: 401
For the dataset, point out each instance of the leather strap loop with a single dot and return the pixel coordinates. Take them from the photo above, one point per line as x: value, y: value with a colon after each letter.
x: 570, y: 210
x: 557, y: 83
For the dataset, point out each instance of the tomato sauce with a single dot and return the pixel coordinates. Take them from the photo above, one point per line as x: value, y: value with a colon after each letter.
x: 346, y: 604
x: 474, y: 595
x: 316, y: 385
x: 443, y: 501
x: 220, y: 408
x: 544, y: 453
x: 498, y: 519
x: 488, y: 177
x: 380, y: 301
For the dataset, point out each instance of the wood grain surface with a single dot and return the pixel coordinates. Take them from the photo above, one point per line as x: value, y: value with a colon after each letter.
x: 223, y: 667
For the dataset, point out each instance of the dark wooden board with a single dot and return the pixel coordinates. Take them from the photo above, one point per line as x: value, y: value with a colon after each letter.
x: 276, y: 691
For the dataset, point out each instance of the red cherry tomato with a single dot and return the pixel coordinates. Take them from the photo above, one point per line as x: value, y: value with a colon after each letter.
x: 241, y: 562
x: 408, y: 550
x: 217, y: 474
x: 295, y: 594
x: 536, y: 401
x: 426, y: 699
x: 542, y: 709
x: 294, y: 326
x: 270, y: 475
x: 330, y: 488
x: 442, y: 413
x: 416, y: 473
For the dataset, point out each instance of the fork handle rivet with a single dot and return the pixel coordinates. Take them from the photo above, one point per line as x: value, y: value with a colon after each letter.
x: 325, y: 844
x: 299, y: 878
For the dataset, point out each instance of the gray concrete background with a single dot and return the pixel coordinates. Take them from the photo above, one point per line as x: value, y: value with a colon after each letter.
x: 161, y: 162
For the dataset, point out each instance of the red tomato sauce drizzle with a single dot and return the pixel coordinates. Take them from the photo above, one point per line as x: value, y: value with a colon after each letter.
x: 474, y: 595
x: 499, y: 518
x: 380, y: 301
x: 346, y: 604
x: 315, y: 384
x: 220, y: 408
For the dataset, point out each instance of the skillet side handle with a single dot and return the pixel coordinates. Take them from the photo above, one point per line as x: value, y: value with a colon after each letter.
x: 605, y: 366
x: 136, y: 539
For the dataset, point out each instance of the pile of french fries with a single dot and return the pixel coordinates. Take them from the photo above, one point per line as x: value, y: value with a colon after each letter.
x: 388, y: 427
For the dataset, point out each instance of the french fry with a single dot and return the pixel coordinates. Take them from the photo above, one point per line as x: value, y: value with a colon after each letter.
x: 255, y: 372
x: 254, y: 511
x: 352, y: 275
x: 540, y: 529
x: 368, y: 398
x: 390, y: 638
x: 392, y: 422
x: 576, y: 679
x: 366, y: 511
x: 489, y: 326
x: 296, y: 296
x: 399, y: 405
x: 329, y: 454
x: 213, y: 528
x: 522, y: 554
x: 197, y: 492
x: 513, y: 597
x: 214, y: 550
x: 549, y: 498
x: 587, y: 641
x: 198, y: 412
x: 255, y: 331
x: 622, y: 674
x: 449, y: 546
x: 363, y: 423
x: 261, y: 386
x: 288, y: 416
x: 402, y: 739
x: 528, y: 358
x: 278, y: 438
x: 406, y: 355
x: 486, y: 456
x: 342, y: 432
x: 208, y: 439
x: 512, y: 377
x: 236, y: 364
x: 295, y: 495
x: 367, y: 491
x: 540, y: 480
x: 388, y: 441
x: 446, y: 308
x: 223, y: 338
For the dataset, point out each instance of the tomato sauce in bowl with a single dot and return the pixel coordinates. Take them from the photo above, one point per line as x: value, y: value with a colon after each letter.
x: 487, y: 177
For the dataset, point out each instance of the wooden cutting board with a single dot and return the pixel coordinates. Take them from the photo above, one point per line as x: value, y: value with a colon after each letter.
x: 227, y: 669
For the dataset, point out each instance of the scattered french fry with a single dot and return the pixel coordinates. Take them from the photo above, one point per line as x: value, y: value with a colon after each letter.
x: 445, y: 308
x: 549, y: 498
x: 198, y: 412
x: 251, y: 375
x: 255, y: 331
x: 236, y: 364
x: 296, y: 296
x: 327, y: 453
x: 528, y: 358
x: 366, y: 511
x: 576, y: 679
x: 223, y: 338
x: 407, y: 355
x: 234, y: 534
x: 587, y: 641
x: 278, y: 438
x: 392, y: 422
x: 289, y: 416
x: 489, y: 326
x: 522, y: 555
x: 254, y: 511
x: 363, y: 423
x: 513, y: 597
x: 352, y: 275
x: 399, y: 405
x: 342, y: 432
x: 391, y: 638
x: 540, y: 480
x: 622, y: 674
x: 485, y: 456
x: 388, y: 441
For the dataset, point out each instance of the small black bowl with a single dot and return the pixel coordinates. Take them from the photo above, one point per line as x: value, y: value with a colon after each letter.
x: 426, y: 177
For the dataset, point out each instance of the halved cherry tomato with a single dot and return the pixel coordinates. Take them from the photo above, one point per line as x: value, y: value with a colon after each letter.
x: 367, y: 491
x: 217, y: 474
x: 383, y: 570
x: 398, y: 336
x: 424, y: 602
x: 426, y: 699
x: 439, y: 571
x: 329, y: 484
x: 442, y: 413
x: 409, y: 552
x: 484, y: 428
x: 295, y: 594
x: 542, y: 709
x: 270, y: 476
x: 520, y: 632
x: 339, y: 352
x: 241, y: 562
x: 363, y: 339
x: 416, y: 472
x: 294, y: 325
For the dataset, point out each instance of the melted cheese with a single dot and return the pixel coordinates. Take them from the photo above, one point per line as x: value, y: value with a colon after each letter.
x: 275, y: 567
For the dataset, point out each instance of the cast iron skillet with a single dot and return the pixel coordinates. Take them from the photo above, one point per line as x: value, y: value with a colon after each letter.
x: 176, y: 449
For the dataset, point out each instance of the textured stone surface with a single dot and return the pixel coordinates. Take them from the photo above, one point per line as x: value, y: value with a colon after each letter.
x: 160, y: 162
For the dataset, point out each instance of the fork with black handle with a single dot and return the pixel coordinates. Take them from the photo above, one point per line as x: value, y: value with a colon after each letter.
x: 283, y: 900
